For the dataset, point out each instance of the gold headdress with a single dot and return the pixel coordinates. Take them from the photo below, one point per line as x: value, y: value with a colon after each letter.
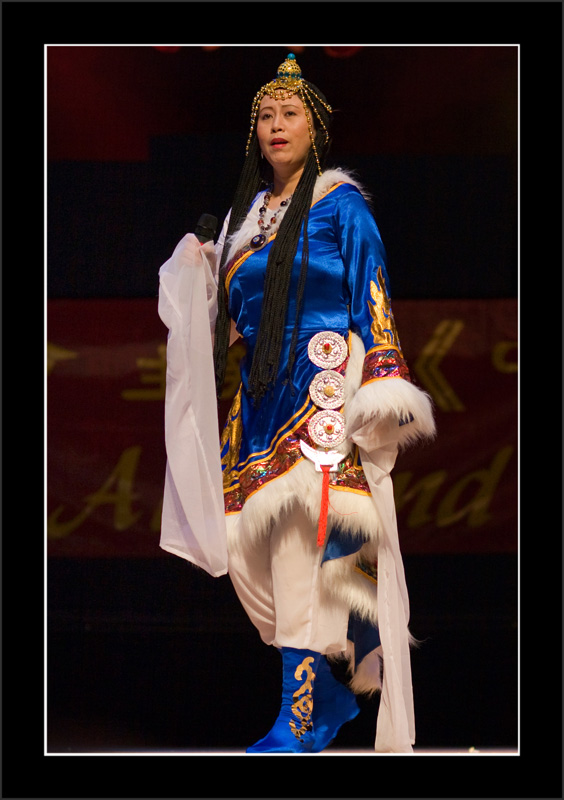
x: 287, y: 83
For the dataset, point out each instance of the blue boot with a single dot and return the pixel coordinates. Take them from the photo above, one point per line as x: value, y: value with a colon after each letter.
x: 293, y: 730
x: 334, y: 705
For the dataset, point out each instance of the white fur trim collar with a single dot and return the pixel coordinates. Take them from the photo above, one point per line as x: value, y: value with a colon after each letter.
x: 324, y: 182
x: 333, y: 176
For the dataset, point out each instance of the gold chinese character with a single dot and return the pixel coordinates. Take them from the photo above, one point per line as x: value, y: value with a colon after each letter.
x: 155, y: 375
x: 56, y: 354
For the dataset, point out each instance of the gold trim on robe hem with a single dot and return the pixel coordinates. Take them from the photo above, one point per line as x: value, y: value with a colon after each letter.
x: 287, y: 454
x: 350, y: 475
x: 241, y: 484
x: 368, y: 569
x: 278, y: 435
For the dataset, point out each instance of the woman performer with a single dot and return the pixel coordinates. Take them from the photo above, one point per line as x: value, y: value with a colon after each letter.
x: 310, y: 535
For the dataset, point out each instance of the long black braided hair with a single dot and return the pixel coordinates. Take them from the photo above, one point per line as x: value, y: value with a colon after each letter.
x: 266, y: 356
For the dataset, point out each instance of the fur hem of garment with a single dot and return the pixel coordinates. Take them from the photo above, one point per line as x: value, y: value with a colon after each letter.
x: 364, y: 678
x: 350, y: 512
x: 341, y: 579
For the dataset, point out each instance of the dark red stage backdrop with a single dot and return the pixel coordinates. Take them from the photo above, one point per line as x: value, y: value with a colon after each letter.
x: 106, y: 102
x: 105, y: 410
x: 106, y: 358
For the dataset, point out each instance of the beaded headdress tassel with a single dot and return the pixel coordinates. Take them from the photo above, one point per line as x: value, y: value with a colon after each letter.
x: 289, y: 82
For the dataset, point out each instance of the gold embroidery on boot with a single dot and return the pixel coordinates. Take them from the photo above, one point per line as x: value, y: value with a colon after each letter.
x: 302, y: 707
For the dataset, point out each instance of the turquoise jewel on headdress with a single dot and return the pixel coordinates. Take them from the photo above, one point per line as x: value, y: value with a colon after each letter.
x: 289, y: 68
x: 287, y: 82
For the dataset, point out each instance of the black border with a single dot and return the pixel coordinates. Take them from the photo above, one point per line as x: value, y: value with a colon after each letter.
x: 26, y: 27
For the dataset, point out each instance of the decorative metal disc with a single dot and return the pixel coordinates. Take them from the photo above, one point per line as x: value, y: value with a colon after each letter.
x: 327, y: 350
x: 327, y: 428
x: 327, y: 389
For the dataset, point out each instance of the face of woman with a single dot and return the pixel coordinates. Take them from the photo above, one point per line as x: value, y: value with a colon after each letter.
x: 283, y: 133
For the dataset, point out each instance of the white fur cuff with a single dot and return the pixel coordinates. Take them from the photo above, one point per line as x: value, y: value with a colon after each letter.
x: 377, y: 409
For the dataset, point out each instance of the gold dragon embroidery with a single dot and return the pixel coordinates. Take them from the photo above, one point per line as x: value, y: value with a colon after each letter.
x: 231, y: 438
x: 383, y: 325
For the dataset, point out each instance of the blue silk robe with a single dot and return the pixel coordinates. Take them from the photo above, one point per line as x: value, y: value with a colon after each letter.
x: 346, y: 291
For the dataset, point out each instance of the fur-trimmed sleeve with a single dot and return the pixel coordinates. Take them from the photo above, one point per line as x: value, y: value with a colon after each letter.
x: 385, y: 403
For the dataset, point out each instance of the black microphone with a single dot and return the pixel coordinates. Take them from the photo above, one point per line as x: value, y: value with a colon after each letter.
x: 206, y: 228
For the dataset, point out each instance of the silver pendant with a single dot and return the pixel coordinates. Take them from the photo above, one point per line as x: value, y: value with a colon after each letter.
x: 327, y: 389
x: 327, y: 350
x: 327, y: 428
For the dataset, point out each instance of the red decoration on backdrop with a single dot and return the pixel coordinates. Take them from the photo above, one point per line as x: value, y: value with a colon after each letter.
x: 106, y: 456
x: 335, y: 52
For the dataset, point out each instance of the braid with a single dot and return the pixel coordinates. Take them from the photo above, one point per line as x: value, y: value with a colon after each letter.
x: 299, y: 298
x: 247, y: 188
x: 266, y: 356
